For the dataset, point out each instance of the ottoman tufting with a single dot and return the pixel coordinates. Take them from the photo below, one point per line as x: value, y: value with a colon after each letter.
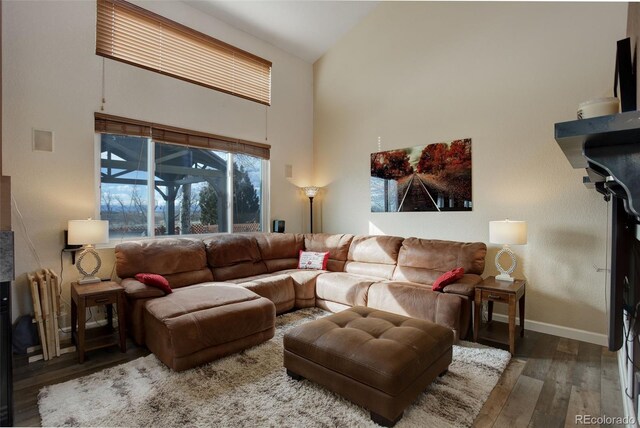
x: 194, y: 326
x: 376, y: 359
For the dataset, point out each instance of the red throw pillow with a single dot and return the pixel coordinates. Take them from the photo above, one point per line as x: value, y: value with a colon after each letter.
x: 155, y: 280
x: 447, y: 278
x: 313, y: 260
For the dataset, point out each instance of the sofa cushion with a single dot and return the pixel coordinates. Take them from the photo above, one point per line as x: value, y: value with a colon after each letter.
x: 193, y: 300
x: 417, y: 301
x: 373, y: 256
x: 182, y: 279
x: 464, y: 286
x: 375, y: 249
x: 182, y: 261
x: 279, y: 251
x: 424, y: 260
x: 278, y: 289
x: 344, y: 288
x: 304, y: 284
x: 232, y: 256
x: 336, y: 245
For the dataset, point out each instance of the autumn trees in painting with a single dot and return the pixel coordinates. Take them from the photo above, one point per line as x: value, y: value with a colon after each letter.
x: 391, y: 165
x: 436, y: 177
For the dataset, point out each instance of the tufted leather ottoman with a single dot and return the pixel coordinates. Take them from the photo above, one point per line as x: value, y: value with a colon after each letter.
x: 199, y: 324
x: 378, y: 360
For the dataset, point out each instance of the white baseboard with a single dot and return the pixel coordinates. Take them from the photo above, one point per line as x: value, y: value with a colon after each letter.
x: 557, y: 330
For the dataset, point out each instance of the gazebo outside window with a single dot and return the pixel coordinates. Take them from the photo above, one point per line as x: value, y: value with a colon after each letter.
x: 190, y: 189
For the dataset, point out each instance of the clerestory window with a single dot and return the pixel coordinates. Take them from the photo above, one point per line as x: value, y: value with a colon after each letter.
x: 136, y: 36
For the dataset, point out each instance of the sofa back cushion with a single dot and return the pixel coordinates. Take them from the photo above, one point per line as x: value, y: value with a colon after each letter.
x: 373, y: 255
x: 279, y: 251
x: 424, y: 260
x: 336, y: 245
x: 232, y: 256
x: 182, y: 261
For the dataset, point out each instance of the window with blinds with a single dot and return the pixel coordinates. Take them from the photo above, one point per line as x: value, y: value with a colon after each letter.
x: 160, y: 180
x: 109, y: 124
x: 133, y: 35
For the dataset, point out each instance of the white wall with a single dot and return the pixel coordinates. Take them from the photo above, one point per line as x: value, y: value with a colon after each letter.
x: 416, y: 73
x: 52, y: 81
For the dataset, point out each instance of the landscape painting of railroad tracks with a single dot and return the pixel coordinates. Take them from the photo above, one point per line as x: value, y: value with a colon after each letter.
x: 435, y: 177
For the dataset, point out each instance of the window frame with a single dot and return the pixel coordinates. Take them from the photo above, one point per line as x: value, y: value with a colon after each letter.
x: 265, y: 188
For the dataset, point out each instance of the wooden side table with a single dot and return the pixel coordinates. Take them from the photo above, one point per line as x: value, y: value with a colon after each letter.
x: 106, y: 293
x: 490, y: 290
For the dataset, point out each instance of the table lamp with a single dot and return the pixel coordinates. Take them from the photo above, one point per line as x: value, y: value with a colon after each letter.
x: 507, y: 232
x: 88, y: 233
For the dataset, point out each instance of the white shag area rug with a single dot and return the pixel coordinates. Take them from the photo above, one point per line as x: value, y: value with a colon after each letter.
x: 251, y: 388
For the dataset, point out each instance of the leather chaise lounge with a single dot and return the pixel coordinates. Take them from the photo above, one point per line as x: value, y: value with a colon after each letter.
x: 221, y: 281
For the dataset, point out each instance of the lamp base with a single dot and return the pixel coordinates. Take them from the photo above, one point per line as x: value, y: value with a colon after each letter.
x: 504, y: 277
x: 88, y: 280
x: 88, y: 277
x: 505, y: 274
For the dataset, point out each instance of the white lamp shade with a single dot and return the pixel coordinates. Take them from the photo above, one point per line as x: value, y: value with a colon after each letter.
x: 83, y: 232
x: 310, y: 191
x: 508, y: 232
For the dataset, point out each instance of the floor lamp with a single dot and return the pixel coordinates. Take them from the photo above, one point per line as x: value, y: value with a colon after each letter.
x: 311, y: 192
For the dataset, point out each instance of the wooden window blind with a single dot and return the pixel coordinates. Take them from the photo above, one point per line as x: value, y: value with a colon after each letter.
x: 135, y: 36
x: 107, y: 124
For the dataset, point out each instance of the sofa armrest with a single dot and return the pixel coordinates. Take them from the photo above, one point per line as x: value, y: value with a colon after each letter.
x: 134, y: 289
x: 465, y: 286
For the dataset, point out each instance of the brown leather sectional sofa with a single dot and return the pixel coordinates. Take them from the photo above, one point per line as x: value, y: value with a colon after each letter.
x: 389, y: 273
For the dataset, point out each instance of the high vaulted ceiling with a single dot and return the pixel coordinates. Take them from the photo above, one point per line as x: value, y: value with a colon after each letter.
x: 304, y: 28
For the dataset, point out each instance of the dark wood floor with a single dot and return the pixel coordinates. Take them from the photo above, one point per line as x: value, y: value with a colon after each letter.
x: 549, y: 381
